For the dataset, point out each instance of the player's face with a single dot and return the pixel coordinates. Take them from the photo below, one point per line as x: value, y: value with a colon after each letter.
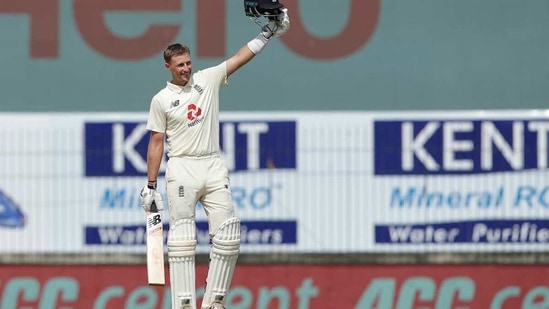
x: 181, y: 68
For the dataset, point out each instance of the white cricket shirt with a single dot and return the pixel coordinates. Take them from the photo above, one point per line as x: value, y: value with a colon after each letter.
x: 189, y: 115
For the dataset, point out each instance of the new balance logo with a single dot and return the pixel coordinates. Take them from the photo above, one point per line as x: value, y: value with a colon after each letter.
x: 151, y: 222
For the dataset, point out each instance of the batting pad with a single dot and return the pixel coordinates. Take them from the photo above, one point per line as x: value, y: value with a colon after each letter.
x: 181, y: 252
x: 223, y: 256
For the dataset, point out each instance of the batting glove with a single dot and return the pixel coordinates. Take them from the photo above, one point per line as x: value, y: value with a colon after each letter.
x: 149, y: 196
x: 269, y: 29
x: 283, y: 23
x: 276, y: 27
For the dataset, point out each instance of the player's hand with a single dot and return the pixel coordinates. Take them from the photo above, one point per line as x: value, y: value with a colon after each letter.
x: 269, y: 29
x: 148, y: 196
x: 277, y: 26
x: 283, y: 23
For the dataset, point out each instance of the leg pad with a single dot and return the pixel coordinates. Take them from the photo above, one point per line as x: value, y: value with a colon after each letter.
x: 181, y: 256
x: 223, y: 256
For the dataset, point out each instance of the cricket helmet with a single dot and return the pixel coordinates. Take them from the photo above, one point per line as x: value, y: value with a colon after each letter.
x: 256, y: 9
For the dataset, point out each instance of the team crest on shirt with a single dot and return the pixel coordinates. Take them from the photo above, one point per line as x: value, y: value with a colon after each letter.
x: 198, y: 88
x: 193, y: 115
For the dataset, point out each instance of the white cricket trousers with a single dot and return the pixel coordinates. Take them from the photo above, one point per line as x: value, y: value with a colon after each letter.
x: 204, y: 179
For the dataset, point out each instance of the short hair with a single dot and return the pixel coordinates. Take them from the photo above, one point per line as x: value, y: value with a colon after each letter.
x: 175, y: 50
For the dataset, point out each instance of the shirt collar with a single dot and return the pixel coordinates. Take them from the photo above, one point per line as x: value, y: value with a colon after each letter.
x: 177, y: 88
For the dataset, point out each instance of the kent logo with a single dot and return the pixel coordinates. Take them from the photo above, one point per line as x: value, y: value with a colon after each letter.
x: 420, y: 147
x: 120, y: 148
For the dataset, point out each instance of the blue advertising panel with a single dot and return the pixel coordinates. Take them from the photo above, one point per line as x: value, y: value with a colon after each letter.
x: 471, y: 232
x: 464, y: 146
x: 120, y: 148
x: 253, y: 233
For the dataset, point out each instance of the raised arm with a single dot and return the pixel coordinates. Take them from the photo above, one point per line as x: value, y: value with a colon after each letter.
x: 242, y: 56
x: 274, y: 28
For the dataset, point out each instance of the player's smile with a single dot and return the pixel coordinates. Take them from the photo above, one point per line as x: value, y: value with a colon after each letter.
x: 186, y: 75
x: 181, y: 68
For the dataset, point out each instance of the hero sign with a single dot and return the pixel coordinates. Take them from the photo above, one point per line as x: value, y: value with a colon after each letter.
x: 211, y: 20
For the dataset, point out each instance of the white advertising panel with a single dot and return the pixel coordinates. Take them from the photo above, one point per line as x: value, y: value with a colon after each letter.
x: 301, y: 182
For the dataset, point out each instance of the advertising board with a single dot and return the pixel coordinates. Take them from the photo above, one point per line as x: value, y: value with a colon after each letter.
x: 301, y: 182
x: 286, y: 287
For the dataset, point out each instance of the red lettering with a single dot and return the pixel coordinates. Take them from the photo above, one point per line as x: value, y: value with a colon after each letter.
x: 44, y: 24
x: 211, y: 25
x: 210, y: 29
x: 359, y: 28
x: 90, y: 21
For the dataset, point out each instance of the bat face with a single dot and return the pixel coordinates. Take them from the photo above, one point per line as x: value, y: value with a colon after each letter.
x: 155, y: 249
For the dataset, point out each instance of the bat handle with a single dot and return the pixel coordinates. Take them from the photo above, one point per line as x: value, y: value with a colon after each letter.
x: 153, y: 207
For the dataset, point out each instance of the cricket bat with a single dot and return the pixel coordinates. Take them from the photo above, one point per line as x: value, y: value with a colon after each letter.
x: 155, y: 247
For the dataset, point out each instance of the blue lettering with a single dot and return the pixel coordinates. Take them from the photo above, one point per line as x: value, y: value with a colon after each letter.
x: 413, y: 197
x: 531, y: 196
x: 120, y: 199
x: 257, y: 198
x: 524, y: 194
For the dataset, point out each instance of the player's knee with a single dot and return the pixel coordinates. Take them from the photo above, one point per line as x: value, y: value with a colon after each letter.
x: 182, y: 238
x: 217, y: 218
x: 226, y: 240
